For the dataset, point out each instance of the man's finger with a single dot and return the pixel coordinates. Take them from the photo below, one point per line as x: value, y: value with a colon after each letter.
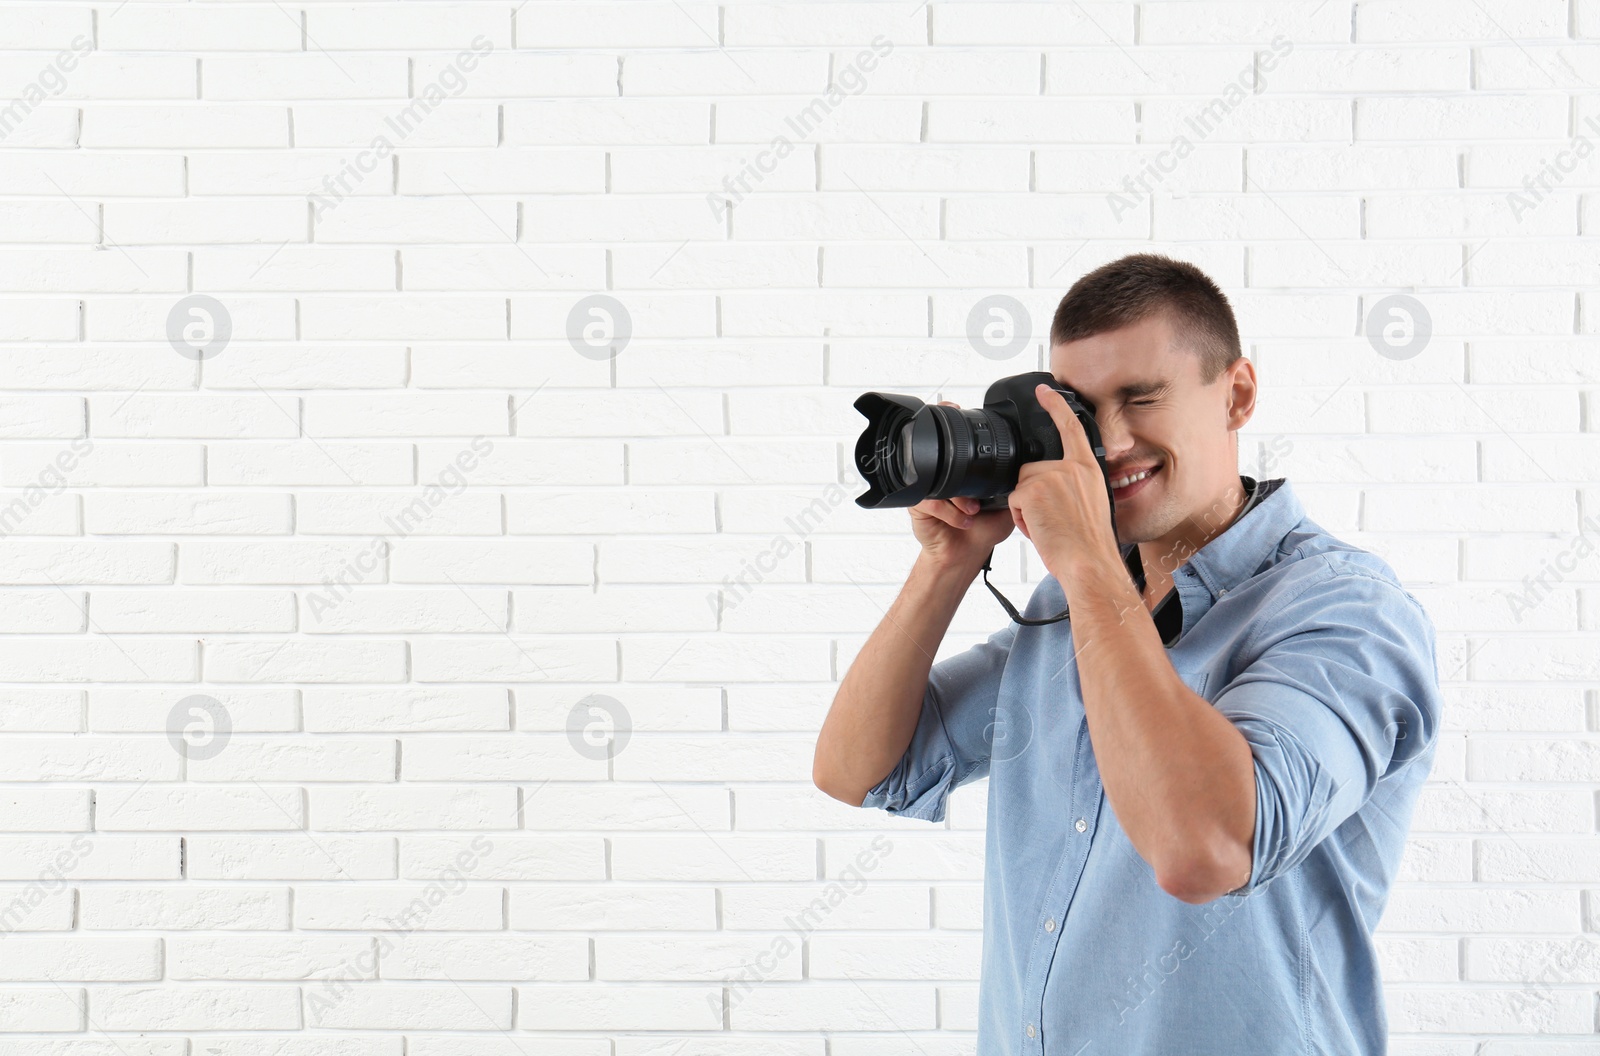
x: 944, y: 510
x: 1074, y: 441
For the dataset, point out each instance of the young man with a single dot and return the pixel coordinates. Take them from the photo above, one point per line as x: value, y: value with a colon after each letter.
x: 1198, y: 798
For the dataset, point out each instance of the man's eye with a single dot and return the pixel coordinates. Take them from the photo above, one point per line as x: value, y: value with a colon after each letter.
x: 1142, y: 403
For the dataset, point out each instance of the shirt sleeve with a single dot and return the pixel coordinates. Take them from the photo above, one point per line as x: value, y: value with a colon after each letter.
x: 955, y: 731
x: 1342, y: 692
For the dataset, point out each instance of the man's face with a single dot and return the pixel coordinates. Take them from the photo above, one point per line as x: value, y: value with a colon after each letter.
x: 1157, y: 419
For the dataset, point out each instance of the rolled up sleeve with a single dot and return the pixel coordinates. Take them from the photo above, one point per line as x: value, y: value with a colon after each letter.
x: 952, y: 743
x: 1342, y: 693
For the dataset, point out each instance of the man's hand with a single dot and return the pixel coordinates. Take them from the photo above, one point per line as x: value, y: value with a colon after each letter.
x: 952, y: 531
x: 1061, y: 504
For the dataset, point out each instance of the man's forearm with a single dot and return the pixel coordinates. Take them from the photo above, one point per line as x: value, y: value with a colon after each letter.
x: 875, y: 711
x: 1178, y: 774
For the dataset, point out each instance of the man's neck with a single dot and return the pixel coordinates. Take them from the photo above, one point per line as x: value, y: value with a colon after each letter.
x: 1161, y: 557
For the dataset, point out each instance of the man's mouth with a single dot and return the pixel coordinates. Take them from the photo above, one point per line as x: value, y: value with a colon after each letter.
x: 1129, y: 484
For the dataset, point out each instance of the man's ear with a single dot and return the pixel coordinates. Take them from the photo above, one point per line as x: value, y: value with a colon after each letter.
x: 1241, y: 380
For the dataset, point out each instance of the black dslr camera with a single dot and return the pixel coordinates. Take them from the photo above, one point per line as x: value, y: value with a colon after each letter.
x: 911, y: 451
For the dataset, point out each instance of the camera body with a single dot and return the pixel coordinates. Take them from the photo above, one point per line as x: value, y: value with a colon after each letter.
x: 911, y: 451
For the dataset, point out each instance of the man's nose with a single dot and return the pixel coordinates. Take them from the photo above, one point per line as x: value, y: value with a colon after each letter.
x: 1113, y: 436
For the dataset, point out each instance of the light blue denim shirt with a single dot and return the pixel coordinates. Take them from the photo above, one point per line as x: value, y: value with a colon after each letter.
x: 1326, y: 665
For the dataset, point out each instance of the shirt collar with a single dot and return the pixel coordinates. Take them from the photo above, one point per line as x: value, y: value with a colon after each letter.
x: 1237, y: 554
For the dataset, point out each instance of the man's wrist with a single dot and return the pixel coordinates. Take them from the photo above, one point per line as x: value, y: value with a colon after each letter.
x: 1093, y: 572
x: 948, y: 569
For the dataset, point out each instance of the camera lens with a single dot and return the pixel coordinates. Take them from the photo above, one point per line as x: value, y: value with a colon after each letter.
x: 911, y: 451
x: 977, y: 453
x: 908, y: 466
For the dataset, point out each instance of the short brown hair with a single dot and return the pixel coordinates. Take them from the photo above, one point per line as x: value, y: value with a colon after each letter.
x: 1128, y: 290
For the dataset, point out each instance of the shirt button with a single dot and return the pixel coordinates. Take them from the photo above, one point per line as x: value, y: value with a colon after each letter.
x: 1030, y: 1030
x: 1050, y: 925
x: 1080, y: 825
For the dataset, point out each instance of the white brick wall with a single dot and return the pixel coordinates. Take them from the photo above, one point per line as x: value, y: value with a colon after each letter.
x: 406, y: 542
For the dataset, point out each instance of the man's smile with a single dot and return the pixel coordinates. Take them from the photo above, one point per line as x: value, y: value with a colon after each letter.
x: 1127, y: 485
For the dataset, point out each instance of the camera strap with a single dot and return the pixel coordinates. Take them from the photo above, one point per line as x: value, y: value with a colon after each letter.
x: 1130, y: 560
